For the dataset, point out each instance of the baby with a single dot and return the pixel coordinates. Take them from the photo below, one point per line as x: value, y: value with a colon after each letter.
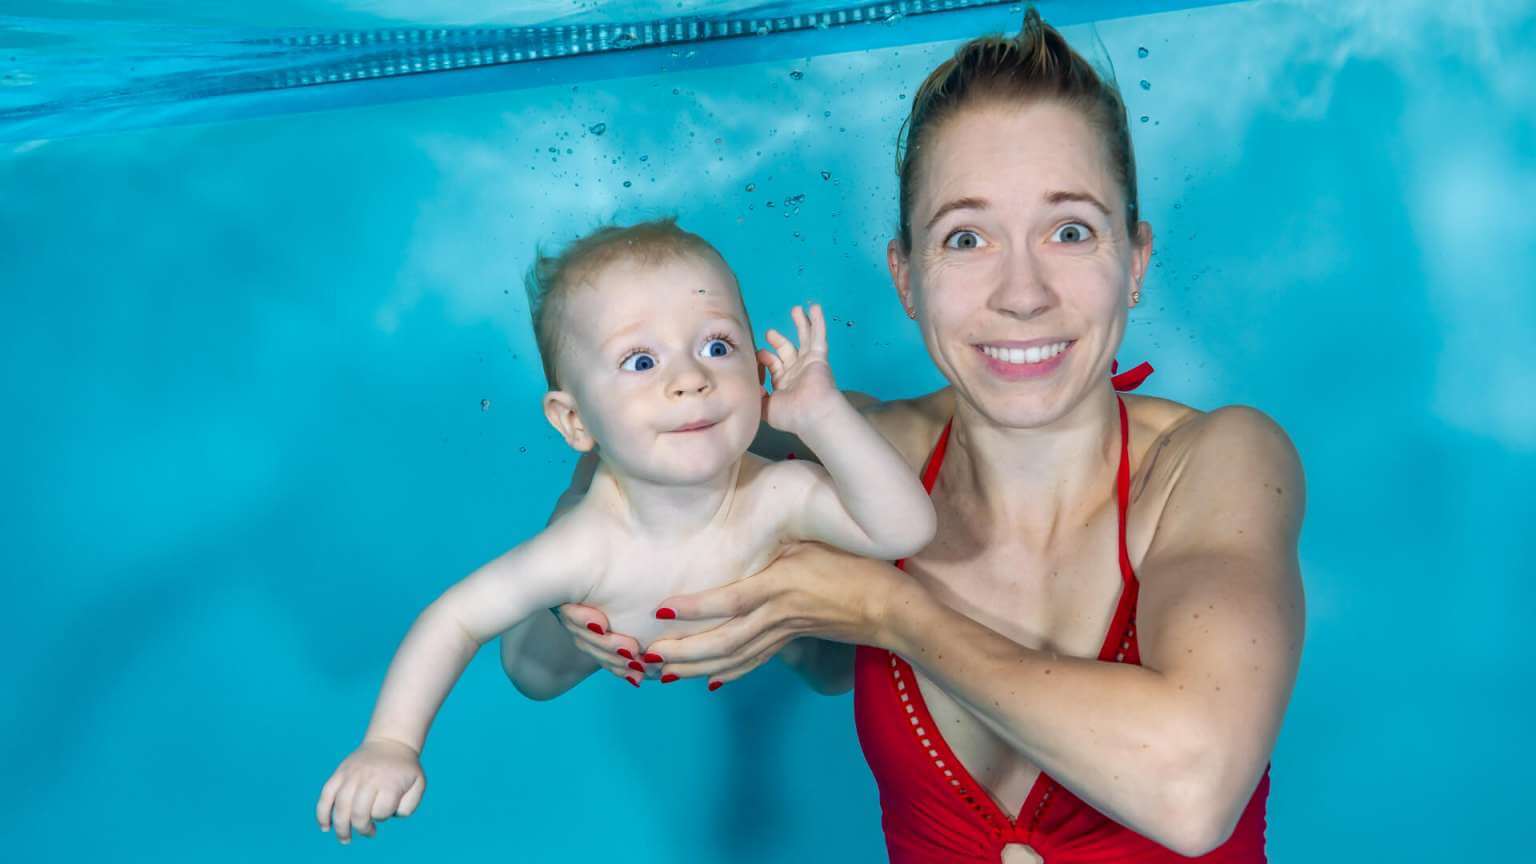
x: 648, y: 353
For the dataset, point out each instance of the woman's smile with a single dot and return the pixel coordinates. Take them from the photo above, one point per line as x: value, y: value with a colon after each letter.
x: 1014, y: 361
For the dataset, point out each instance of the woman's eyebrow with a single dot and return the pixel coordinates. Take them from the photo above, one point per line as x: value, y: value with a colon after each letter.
x: 957, y: 204
x: 1062, y: 197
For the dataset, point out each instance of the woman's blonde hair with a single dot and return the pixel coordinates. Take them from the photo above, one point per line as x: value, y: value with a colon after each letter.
x: 1035, y: 65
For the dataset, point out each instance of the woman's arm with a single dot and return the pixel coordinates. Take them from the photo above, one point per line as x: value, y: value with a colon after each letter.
x: 1172, y: 748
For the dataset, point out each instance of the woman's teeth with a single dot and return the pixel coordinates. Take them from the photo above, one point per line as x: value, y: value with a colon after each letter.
x: 1035, y: 354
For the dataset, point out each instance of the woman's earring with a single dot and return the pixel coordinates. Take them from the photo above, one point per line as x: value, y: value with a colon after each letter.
x: 912, y: 313
x: 1135, y: 297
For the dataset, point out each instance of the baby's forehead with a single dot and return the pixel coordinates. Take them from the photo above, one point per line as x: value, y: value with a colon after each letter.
x: 686, y: 285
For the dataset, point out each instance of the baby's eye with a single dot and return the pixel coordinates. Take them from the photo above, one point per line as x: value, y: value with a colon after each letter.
x: 963, y: 239
x: 717, y: 346
x: 640, y: 361
x: 1072, y: 232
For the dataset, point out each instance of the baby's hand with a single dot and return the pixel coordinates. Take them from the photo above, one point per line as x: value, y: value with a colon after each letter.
x: 803, y: 389
x: 379, y: 780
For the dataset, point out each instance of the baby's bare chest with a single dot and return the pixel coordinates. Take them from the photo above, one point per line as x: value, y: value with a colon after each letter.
x: 642, y: 572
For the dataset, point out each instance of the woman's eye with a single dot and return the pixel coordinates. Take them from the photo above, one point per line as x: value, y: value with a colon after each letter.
x: 1072, y: 232
x: 963, y: 239
x: 639, y: 362
x: 716, y: 348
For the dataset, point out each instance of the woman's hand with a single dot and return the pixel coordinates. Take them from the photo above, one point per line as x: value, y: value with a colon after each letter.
x: 615, y: 652
x: 811, y: 590
x: 379, y: 780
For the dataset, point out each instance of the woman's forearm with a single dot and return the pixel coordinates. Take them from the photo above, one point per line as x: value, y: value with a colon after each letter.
x: 1117, y: 735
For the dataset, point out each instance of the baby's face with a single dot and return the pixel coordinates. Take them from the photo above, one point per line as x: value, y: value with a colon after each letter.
x: 661, y: 363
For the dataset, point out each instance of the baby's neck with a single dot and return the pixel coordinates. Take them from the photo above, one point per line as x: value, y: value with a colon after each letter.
x: 662, y: 510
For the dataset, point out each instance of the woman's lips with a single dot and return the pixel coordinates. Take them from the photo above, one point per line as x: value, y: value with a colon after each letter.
x: 1012, y: 371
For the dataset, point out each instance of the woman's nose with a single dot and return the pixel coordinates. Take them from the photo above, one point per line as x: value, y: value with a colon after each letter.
x: 1022, y: 291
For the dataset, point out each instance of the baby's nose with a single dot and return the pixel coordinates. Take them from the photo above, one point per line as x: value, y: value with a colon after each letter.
x: 689, y: 382
x: 690, y: 389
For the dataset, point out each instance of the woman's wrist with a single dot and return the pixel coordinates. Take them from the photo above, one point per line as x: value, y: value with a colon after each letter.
x: 894, y: 608
x: 884, y: 601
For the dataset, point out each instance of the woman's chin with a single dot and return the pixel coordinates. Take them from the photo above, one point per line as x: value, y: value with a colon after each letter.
x: 1014, y: 407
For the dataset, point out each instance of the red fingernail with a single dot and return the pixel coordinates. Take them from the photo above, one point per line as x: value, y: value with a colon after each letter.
x: 668, y: 678
x: 624, y: 652
x: 653, y: 657
x: 631, y: 680
x: 596, y: 628
x: 636, y: 666
x: 665, y: 613
x: 715, y: 685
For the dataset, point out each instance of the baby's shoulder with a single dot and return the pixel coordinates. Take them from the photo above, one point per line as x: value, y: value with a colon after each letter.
x: 767, y: 494
x: 587, y: 530
x: 760, y: 478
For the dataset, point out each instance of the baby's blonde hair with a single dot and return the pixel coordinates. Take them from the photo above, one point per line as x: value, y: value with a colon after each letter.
x: 550, y: 278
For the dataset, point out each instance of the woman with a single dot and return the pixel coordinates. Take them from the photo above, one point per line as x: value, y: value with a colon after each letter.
x: 1092, y: 659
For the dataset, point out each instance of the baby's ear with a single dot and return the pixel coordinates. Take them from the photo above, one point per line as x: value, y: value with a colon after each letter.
x: 561, y: 412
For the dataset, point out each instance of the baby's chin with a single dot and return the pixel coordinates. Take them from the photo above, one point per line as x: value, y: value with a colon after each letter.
x: 692, y: 472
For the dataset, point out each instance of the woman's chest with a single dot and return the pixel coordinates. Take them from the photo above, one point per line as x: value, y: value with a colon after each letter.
x: 1059, y: 599
x: 1051, y: 595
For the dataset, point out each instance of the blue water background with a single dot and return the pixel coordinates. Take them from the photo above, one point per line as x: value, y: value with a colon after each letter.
x: 269, y: 388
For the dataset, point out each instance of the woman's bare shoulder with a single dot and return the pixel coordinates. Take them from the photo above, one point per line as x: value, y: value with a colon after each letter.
x: 1164, y: 422
x: 1167, y: 436
x: 912, y: 425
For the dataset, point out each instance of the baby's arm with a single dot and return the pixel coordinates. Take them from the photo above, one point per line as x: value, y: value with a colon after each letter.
x: 537, y: 654
x: 866, y: 499
x: 383, y: 776
x: 538, y: 574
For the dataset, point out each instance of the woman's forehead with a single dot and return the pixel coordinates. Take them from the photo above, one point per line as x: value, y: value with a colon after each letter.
x: 1016, y: 153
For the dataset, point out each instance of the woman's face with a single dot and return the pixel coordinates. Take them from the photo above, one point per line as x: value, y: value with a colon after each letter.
x: 1021, y: 269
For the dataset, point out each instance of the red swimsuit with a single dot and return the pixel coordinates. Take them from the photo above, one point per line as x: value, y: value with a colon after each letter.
x: 934, y: 812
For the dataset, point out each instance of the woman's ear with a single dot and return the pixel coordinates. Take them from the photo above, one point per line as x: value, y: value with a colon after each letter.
x: 1141, y: 255
x: 901, y: 273
x: 561, y: 412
